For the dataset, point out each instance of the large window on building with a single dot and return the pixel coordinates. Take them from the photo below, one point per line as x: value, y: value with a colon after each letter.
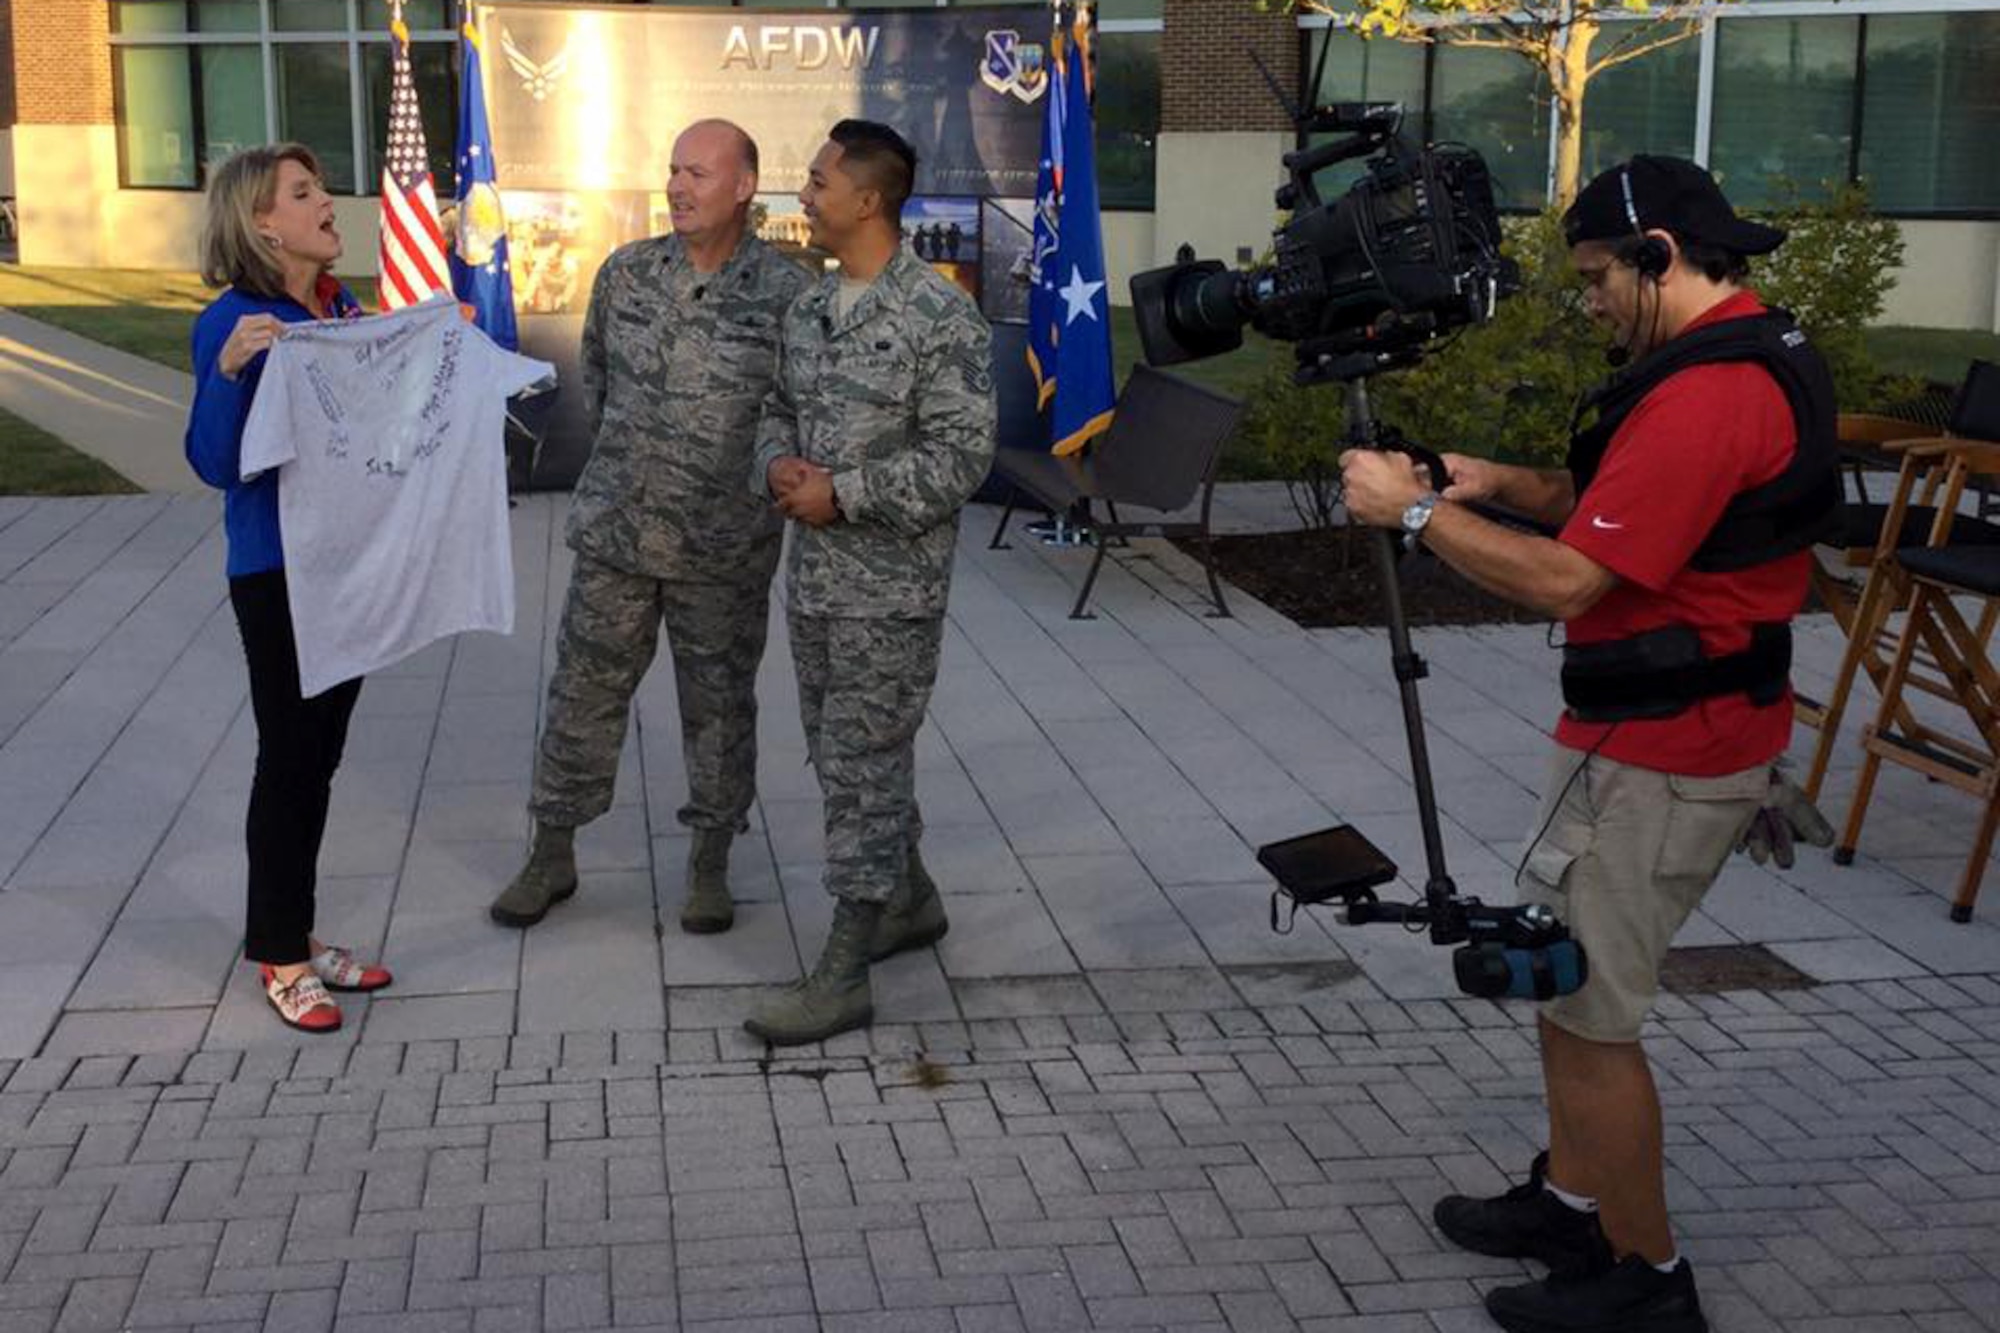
x: 1644, y: 105
x: 1128, y: 117
x: 191, y: 84
x: 231, y: 102
x: 1494, y: 101
x: 157, y: 140
x: 1784, y: 105
x: 1930, y: 112
x: 1908, y: 101
x: 315, y: 106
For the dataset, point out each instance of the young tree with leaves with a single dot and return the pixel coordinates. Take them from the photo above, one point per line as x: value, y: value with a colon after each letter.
x: 1570, y: 42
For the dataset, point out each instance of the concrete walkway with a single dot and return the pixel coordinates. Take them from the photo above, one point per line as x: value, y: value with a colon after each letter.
x: 123, y: 409
x: 1111, y: 1097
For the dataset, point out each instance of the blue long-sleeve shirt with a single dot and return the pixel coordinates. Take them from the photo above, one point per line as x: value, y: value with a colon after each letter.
x: 222, y: 405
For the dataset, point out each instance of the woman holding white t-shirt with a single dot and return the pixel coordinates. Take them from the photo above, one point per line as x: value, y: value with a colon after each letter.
x: 270, y: 240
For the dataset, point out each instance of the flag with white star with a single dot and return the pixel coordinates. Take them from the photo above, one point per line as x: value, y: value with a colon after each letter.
x: 1043, y: 325
x: 1071, y: 305
x: 479, y: 272
x: 411, y: 266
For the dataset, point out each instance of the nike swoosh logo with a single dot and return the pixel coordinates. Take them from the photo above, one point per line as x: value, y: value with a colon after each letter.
x: 1598, y: 521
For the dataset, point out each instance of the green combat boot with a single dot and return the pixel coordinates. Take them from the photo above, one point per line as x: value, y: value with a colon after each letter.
x: 547, y: 879
x: 913, y: 918
x: 834, y: 997
x: 708, y: 909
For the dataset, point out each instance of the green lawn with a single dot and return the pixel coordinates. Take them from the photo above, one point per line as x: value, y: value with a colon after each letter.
x: 1232, y: 373
x: 1934, y: 354
x: 146, y: 312
x: 34, y: 462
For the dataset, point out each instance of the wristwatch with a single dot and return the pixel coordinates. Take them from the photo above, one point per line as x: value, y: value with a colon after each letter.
x: 1416, y: 518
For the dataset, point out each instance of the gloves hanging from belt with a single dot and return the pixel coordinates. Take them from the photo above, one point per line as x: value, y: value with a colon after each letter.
x: 1785, y: 818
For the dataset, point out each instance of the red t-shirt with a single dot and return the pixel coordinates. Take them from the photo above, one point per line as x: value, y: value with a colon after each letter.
x: 1687, y: 449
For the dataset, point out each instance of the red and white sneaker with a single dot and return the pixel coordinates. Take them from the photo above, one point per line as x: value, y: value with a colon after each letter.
x: 303, y: 1003
x: 340, y: 970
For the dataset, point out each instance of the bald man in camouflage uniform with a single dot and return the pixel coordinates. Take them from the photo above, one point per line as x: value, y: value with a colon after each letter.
x: 878, y: 431
x: 679, y: 350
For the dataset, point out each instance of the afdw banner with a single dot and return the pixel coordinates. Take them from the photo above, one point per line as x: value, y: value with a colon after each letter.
x: 585, y: 104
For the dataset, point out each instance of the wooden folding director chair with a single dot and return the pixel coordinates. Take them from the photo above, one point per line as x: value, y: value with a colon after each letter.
x: 1957, y: 647
x: 1916, y: 515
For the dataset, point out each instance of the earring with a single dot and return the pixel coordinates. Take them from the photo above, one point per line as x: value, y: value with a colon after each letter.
x: 272, y: 239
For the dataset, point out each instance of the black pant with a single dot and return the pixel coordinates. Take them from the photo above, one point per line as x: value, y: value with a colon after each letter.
x: 298, y: 748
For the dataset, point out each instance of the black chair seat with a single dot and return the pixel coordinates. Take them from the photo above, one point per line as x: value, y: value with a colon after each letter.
x: 1058, y: 482
x: 1861, y: 526
x: 1974, y: 569
x: 1160, y: 453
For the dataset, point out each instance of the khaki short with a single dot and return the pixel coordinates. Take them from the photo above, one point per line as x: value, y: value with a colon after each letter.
x: 1626, y: 857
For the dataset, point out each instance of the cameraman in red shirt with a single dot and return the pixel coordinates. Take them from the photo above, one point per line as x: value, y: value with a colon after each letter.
x: 1687, y: 515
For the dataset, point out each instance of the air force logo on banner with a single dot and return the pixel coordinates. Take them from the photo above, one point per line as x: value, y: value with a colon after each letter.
x: 539, y: 80
x: 1014, y: 66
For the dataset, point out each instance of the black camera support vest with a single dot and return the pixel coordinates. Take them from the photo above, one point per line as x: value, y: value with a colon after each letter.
x: 1788, y: 513
x: 1660, y: 673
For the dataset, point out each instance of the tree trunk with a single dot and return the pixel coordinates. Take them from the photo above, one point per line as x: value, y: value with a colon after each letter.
x: 1569, y: 73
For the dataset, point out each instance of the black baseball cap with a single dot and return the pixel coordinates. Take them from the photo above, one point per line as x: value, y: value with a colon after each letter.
x: 1668, y: 193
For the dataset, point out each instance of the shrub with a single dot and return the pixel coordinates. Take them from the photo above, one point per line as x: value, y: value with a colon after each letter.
x: 1295, y: 433
x: 1507, y: 389
x: 1833, y: 273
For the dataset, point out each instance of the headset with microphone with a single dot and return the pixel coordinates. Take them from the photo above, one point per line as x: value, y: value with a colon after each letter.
x: 1649, y: 256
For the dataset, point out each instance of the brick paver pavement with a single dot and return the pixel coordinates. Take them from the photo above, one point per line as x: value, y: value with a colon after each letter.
x: 1111, y: 1098
x: 1834, y: 1164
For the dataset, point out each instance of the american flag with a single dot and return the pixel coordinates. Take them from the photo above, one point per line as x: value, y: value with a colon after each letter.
x: 412, y: 263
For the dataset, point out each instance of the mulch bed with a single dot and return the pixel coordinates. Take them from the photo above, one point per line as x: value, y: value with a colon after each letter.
x: 1327, y: 579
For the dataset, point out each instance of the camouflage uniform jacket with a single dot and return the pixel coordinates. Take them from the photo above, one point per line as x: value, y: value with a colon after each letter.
x: 896, y: 399
x: 676, y: 365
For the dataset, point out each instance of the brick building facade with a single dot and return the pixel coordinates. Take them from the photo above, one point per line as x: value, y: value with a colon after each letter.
x: 1208, y: 81
x: 57, y: 62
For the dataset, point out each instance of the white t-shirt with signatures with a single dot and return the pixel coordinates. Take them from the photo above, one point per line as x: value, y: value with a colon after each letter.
x: 390, y: 433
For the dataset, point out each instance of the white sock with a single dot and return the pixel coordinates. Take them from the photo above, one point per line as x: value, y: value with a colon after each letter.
x: 1670, y: 1265
x: 1577, y: 1201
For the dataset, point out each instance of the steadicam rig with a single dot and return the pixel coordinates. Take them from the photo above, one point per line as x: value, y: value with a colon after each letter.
x: 1520, y: 952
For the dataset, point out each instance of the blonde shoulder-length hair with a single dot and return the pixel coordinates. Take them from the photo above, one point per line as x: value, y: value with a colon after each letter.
x: 232, y: 254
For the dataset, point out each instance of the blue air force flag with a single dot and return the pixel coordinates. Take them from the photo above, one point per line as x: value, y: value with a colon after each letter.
x: 1069, y: 308
x: 1042, y: 322
x: 479, y: 273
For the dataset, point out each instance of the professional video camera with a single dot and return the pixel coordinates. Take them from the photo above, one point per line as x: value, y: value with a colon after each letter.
x: 1411, y: 251
x: 1360, y: 286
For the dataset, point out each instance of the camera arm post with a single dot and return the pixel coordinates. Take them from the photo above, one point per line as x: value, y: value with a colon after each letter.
x: 1443, y: 911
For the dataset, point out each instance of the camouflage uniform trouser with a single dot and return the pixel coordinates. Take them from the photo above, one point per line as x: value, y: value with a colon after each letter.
x: 863, y: 688
x: 610, y: 632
